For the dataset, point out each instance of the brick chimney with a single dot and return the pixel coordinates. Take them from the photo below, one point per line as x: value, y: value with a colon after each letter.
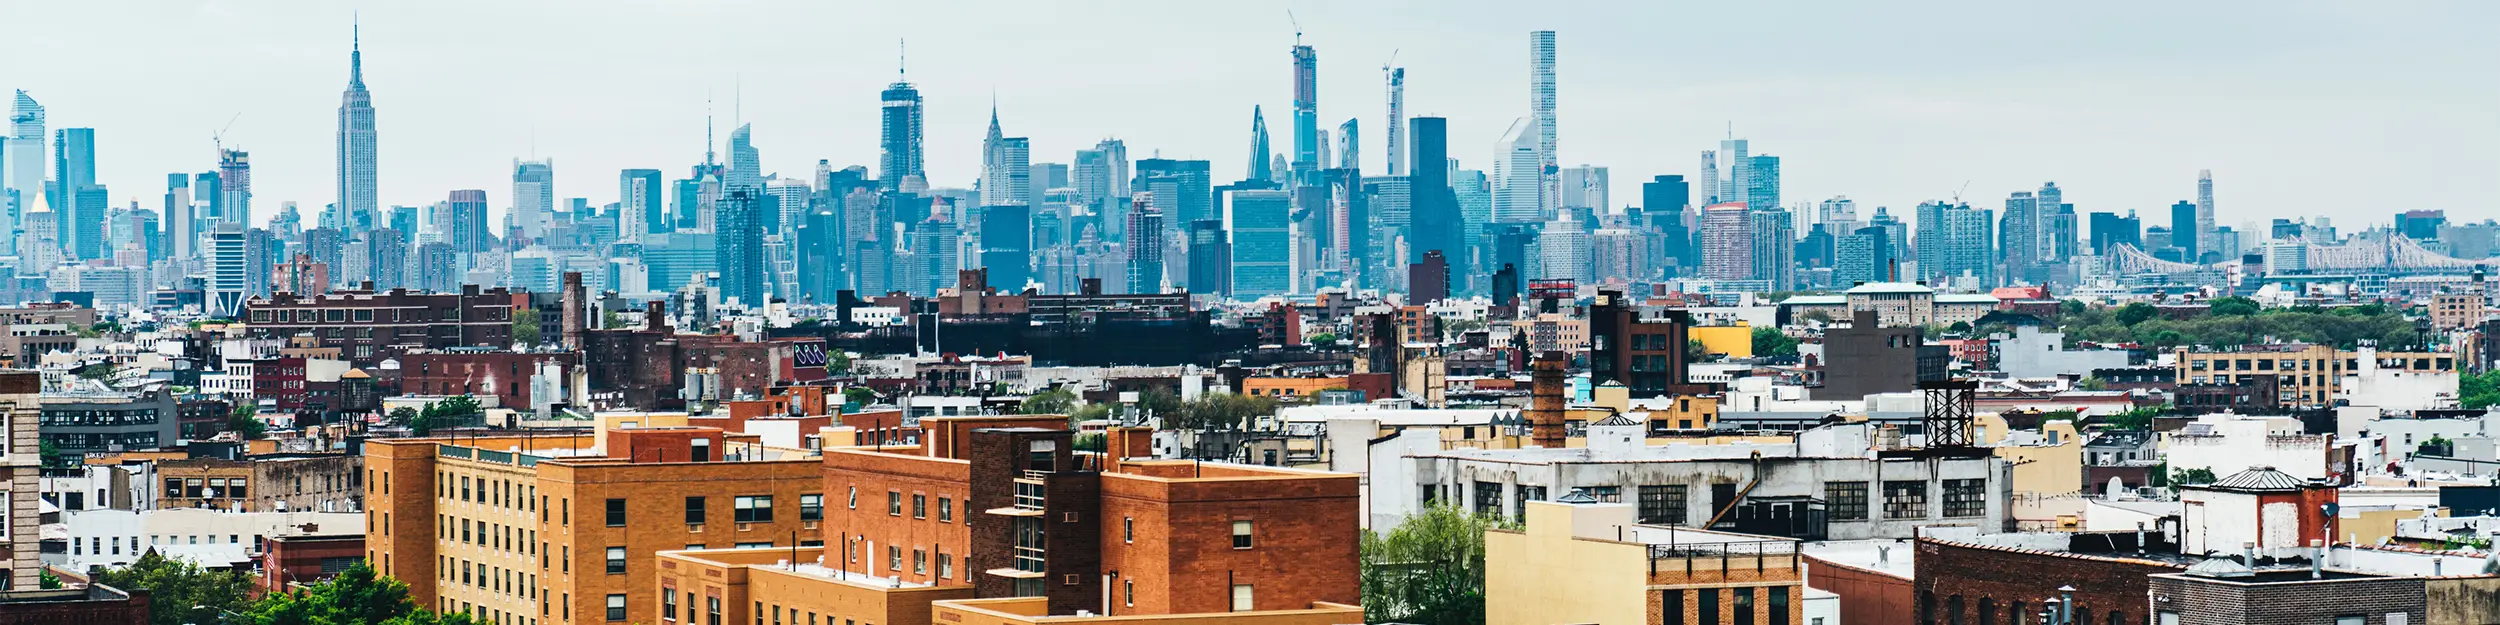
x: 573, y: 310
x: 1545, y: 400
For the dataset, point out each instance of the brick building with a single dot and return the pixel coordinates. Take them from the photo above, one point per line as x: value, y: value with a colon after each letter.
x: 2220, y: 591
x: 20, y: 481
x: 367, y: 326
x: 1974, y: 583
x: 506, y: 375
x: 1584, y: 561
x: 1644, y: 350
x: 292, y: 560
x: 264, y: 483
x: 1013, y: 512
x: 96, y: 604
x: 555, y: 529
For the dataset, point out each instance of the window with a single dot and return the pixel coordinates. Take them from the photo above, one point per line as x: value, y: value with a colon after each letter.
x: 1779, y: 606
x: 1241, y: 598
x: 1905, y: 499
x: 1846, y: 501
x: 946, y: 565
x: 852, y: 500
x: 712, y: 617
x: 1671, y: 605
x: 1965, y: 498
x: 2167, y: 617
x: 1709, y: 610
x: 1128, y: 589
x: 1607, y: 494
x: 893, y: 558
x: 946, y: 510
x: 755, y: 509
x: 694, y: 510
x: 919, y: 506
x: 1128, y: 529
x: 616, y: 513
x: 1489, y: 498
x: 1744, y: 606
x: 2352, y: 619
x: 1241, y: 534
x: 1527, y: 494
x: 919, y: 562
x: 811, y: 507
x: 893, y: 503
x: 1663, y: 504
x: 616, y: 607
x: 668, y: 604
x: 616, y: 560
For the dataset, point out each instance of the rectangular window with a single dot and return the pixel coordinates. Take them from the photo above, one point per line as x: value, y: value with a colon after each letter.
x: 893, y: 558
x: 919, y: 506
x: 1241, y: 598
x: 1489, y: 498
x: 1779, y: 607
x: 1671, y: 605
x: 1607, y: 494
x: 1744, y: 606
x: 919, y: 562
x: 893, y: 503
x: 694, y: 510
x: 1663, y: 504
x: 1241, y: 534
x: 616, y: 607
x: 755, y: 509
x: 1905, y: 499
x: 616, y: 513
x: 668, y: 604
x: 1846, y: 501
x: 616, y: 560
x: 1709, y: 605
x: 946, y: 565
x: 1128, y: 529
x: 946, y: 510
x: 811, y: 507
x: 1965, y: 498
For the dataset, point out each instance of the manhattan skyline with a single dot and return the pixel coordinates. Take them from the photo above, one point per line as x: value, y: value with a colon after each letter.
x: 1888, y: 106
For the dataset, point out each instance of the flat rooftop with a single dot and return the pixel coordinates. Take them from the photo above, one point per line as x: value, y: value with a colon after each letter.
x: 1894, y: 557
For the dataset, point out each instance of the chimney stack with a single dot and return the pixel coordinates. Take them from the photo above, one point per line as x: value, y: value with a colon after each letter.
x: 1545, y: 400
x: 655, y: 315
x: 573, y: 310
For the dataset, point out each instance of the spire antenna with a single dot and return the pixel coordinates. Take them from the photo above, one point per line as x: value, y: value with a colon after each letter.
x: 902, y: 60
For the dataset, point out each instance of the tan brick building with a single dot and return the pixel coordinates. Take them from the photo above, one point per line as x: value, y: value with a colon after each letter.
x: 1590, y: 562
x: 525, y: 530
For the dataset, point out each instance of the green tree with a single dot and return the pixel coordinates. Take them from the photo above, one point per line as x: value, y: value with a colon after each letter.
x: 2191, y: 477
x: 1220, y: 411
x: 2135, y: 313
x: 51, y: 455
x: 1695, y: 351
x: 182, y: 593
x: 525, y: 326
x: 46, y: 580
x: 1429, y: 569
x: 2071, y: 307
x: 609, y: 320
x: 1089, y: 412
x: 859, y: 395
x: 837, y: 362
x: 2233, y: 306
x: 2477, y: 391
x: 403, y: 415
x: 1771, y: 342
x: 2138, y: 418
x: 1322, y: 339
x: 356, y: 595
x: 2092, y: 384
x: 245, y: 422
x: 1455, y: 329
x: 1050, y: 401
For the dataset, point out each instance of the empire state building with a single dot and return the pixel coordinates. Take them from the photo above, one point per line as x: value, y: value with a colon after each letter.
x: 356, y: 152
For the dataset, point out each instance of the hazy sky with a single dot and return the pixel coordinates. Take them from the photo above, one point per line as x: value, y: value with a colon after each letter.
x: 2346, y: 109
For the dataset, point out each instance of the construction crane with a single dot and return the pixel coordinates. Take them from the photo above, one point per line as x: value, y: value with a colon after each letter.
x: 219, y: 137
x: 1392, y: 62
x: 1957, y: 193
x: 1297, y: 26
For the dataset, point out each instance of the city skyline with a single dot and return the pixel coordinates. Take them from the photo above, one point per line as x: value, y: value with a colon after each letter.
x: 1890, y: 138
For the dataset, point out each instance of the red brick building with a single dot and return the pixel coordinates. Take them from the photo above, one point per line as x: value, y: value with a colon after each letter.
x: 505, y: 375
x: 95, y: 604
x: 292, y: 560
x: 367, y: 326
x: 1960, y: 583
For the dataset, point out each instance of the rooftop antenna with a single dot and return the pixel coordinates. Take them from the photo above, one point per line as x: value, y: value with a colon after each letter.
x: 1297, y: 26
x: 707, y: 129
x: 902, y: 59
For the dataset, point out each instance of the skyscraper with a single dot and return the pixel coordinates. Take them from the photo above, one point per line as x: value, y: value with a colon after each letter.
x: 1143, y: 249
x: 2207, y: 239
x: 534, y: 196
x: 1518, y: 176
x: 901, y: 137
x: 1663, y: 200
x: 1397, y: 121
x: 356, y: 166
x: 1955, y: 241
x: 1433, y: 204
x: 1100, y: 173
x: 1006, y: 166
x: 1007, y: 245
x: 1349, y: 145
x: 234, y: 187
x: 738, y: 247
x: 2109, y: 229
x: 746, y: 165
x: 228, y: 271
x: 640, y: 206
x: 1774, y: 246
x: 1584, y: 187
x: 1210, y: 258
x: 1738, y: 186
x: 1305, y: 108
x: 1261, y: 223
x: 465, y: 214
x: 77, y: 201
x: 22, y: 163
x: 1726, y: 242
x: 1762, y: 182
x: 1183, y: 190
x: 1863, y: 256
x: 178, y: 221
x: 1541, y: 103
x: 2185, y: 218
x: 1708, y: 193
x: 1258, y: 147
x: 2020, y: 236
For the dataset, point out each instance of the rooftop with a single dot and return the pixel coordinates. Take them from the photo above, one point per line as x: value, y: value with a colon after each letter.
x: 1892, y: 557
x: 1889, y: 288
